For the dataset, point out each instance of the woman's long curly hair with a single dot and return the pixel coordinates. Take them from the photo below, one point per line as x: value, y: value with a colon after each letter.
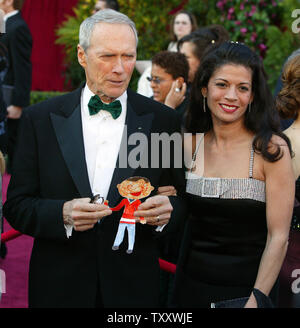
x: 288, y: 99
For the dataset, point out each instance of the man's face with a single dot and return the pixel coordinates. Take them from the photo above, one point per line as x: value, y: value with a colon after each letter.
x: 4, y: 5
x: 109, y: 61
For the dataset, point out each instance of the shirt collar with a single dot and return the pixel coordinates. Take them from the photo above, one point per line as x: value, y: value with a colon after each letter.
x: 12, y: 13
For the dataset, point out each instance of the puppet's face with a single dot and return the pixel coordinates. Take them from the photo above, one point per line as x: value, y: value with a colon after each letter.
x: 135, y: 189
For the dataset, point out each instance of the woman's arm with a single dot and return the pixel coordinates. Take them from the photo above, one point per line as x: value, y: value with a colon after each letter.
x: 294, y: 136
x: 280, y: 193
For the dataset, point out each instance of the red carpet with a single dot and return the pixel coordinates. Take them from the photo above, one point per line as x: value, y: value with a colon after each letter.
x: 15, y: 265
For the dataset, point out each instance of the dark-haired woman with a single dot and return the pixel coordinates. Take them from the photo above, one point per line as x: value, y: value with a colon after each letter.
x: 288, y: 105
x: 194, y: 45
x: 183, y: 23
x: 240, y: 185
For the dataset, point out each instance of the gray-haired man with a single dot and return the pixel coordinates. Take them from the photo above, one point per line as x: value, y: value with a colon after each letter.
x: 67, y: 152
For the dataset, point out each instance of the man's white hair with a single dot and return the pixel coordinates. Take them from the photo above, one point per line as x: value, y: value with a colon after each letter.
x: 103, y: 16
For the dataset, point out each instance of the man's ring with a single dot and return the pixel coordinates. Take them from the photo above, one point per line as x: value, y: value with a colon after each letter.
x: 157, y: 218
x: 177, y: 90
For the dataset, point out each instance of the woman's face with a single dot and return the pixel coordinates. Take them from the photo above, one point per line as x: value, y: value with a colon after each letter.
x: 182, y: 26
x: 161, y: 83
x: 228, y: 93
x: 187, y: 49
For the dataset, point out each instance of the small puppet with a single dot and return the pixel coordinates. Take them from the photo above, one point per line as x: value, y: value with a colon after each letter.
x: 132, y: 189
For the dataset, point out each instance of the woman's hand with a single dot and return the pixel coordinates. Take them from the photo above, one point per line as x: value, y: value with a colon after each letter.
x: 176, y: 95
x: 251, y: 303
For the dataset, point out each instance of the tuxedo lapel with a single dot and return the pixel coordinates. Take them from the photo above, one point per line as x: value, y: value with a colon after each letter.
x: 69, y: 136
x: 136, y: 122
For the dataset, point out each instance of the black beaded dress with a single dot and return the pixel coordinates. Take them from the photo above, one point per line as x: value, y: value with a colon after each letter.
x: 224, y: 239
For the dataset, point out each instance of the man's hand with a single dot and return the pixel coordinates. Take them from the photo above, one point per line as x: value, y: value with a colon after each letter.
x: 14, y: 112
x: 156, y: 210
x: 82, y: 214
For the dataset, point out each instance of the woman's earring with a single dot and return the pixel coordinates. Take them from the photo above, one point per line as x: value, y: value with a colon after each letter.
x: 249, y: 106
x: 204, y: 105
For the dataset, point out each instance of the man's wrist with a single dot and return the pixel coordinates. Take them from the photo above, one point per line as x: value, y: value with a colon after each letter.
x: 67, y: 218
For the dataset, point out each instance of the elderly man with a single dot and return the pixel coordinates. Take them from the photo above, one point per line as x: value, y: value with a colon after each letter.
x: 73, y: 147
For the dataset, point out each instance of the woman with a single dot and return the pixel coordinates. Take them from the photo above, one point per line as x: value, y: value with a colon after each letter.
x: 182, y: 23
x: 288, y: 104
x: 237, y: 231
x: 194, y: 45
x: 169, y: 74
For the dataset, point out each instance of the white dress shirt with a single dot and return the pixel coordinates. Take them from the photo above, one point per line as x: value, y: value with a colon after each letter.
x: 102, y: 138
x: 12, y: 13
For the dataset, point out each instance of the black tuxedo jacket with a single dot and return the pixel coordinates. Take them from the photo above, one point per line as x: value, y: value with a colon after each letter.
x: 50, y: 169
x: 18, y: 41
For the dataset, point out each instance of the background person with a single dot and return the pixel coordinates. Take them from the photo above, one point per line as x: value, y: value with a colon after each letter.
x: 3, y: 107
x: 169, y: 75
x: 194, y: 45
x: 285, y: 123
x: 288, y: 104
x: 3, y: 134
x: 106, y: 4
x: 181, y: 24
x: 17, y: 80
